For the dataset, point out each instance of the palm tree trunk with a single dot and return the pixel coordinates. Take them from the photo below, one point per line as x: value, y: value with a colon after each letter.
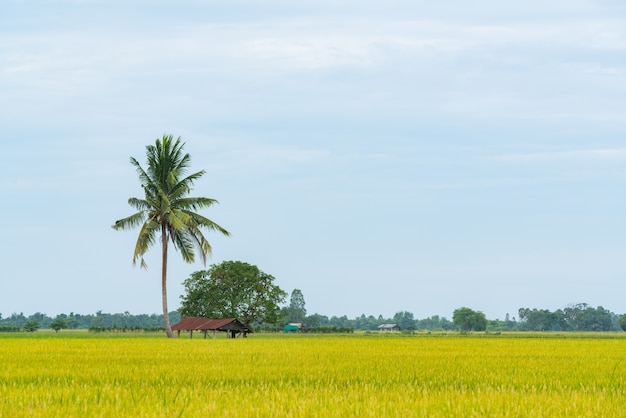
x: 166, y: 315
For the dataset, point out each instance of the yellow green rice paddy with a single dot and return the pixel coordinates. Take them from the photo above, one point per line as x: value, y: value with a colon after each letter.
x: 316, y: 376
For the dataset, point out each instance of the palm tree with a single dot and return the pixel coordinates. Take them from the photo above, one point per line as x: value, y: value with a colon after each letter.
x: 167, y: 208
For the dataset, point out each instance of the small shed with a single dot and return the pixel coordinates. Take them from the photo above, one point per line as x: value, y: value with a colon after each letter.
x: 293, y: 327
x: 231, y: 326
x: 389, y: 327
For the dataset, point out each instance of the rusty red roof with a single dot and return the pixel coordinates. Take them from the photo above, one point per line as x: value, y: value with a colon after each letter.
x: 194, y: 323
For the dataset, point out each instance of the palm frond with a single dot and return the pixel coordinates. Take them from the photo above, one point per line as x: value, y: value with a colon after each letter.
x: 167, y: 161
x: 145, y: 240
x: 178, y: 220
x: 144, y: 177
x: 204, y: 222
x: 130, y: 222
x: 183, y: 185
x: 195, y: 203
x: 185, y: 245
x: 140, y: 204
x: 201, y: 243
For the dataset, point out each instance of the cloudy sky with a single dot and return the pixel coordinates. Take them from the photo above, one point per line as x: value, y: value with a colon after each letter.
x: 379, y: 156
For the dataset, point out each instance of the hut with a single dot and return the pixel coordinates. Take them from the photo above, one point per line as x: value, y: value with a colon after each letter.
x: 293, y: 327
x: 231, y: 326
x: 389, y: 327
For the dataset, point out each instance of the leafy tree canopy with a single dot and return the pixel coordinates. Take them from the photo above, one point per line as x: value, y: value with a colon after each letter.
x: 578, y: 317
x: 58, y: 324
x: 469, y: 320
x: 31, y: 326
x: 232, y: 289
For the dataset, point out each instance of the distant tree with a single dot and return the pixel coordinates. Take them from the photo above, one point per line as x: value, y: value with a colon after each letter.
x: 72, y: 322
x: 368, y: 323
x: 41, y: 318
x: 296, y: 309
x: 317, y: 320
x: 232, y: 289
x: 58, y: 324
x: 594, y: 319
x: 340, y: 322
x: 469, y: 320
x: 622, y: 322
x: 405, y: 320
x: 167, y: 210
x: 31, y: 325
x: 507, y: 324
x: 542, y: 320
x: 435, y: 322
x: 577, y: 317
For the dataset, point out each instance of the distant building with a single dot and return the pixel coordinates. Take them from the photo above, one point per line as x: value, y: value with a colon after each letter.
x: 389, y: 327
x: 293, y: 327
x: 231, y: 326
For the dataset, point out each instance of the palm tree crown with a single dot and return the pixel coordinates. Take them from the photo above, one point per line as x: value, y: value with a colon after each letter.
x: 167, y: 208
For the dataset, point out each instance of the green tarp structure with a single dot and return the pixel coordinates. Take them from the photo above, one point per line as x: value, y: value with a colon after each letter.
x: 291, y: 328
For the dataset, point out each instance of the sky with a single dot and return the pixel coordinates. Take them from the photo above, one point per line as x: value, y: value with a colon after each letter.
x: 406, y: 155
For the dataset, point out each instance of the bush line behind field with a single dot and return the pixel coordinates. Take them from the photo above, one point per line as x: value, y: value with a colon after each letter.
x: 157, y: 333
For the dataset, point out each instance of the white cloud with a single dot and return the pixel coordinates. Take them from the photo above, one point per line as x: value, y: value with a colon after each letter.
x: 570, y: 156
x: 306, y: 43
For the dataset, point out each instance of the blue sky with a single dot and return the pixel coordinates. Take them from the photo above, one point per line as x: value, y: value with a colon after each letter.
x: 405, y: 155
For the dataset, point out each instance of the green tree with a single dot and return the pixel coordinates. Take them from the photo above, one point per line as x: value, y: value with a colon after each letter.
x: 469, y: 320
x: 405, y: 320
x: 594, y: 319
x: 543, y: 320
x: 31, y: 325
x: 434, y: 323
x: 168, y: 210
x: 58, y: 324
x: 586, y: 318
x: 622, y: 322
x: 297, y: 311
x: 316, y: 320
x: 232, y: 289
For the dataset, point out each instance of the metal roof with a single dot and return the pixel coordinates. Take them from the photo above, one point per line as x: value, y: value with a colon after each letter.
x: 388, y: 326
x: 194, y: 323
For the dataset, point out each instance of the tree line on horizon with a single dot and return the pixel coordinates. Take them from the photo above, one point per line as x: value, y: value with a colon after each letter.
x: 579, y: 317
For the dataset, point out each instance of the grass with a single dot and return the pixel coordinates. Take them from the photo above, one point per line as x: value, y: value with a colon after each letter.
x: 422, y: 375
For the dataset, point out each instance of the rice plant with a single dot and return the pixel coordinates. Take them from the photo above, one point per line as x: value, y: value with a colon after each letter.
x: 364, y: 376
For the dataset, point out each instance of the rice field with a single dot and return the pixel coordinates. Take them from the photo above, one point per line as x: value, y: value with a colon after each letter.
x: 312, y: 376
